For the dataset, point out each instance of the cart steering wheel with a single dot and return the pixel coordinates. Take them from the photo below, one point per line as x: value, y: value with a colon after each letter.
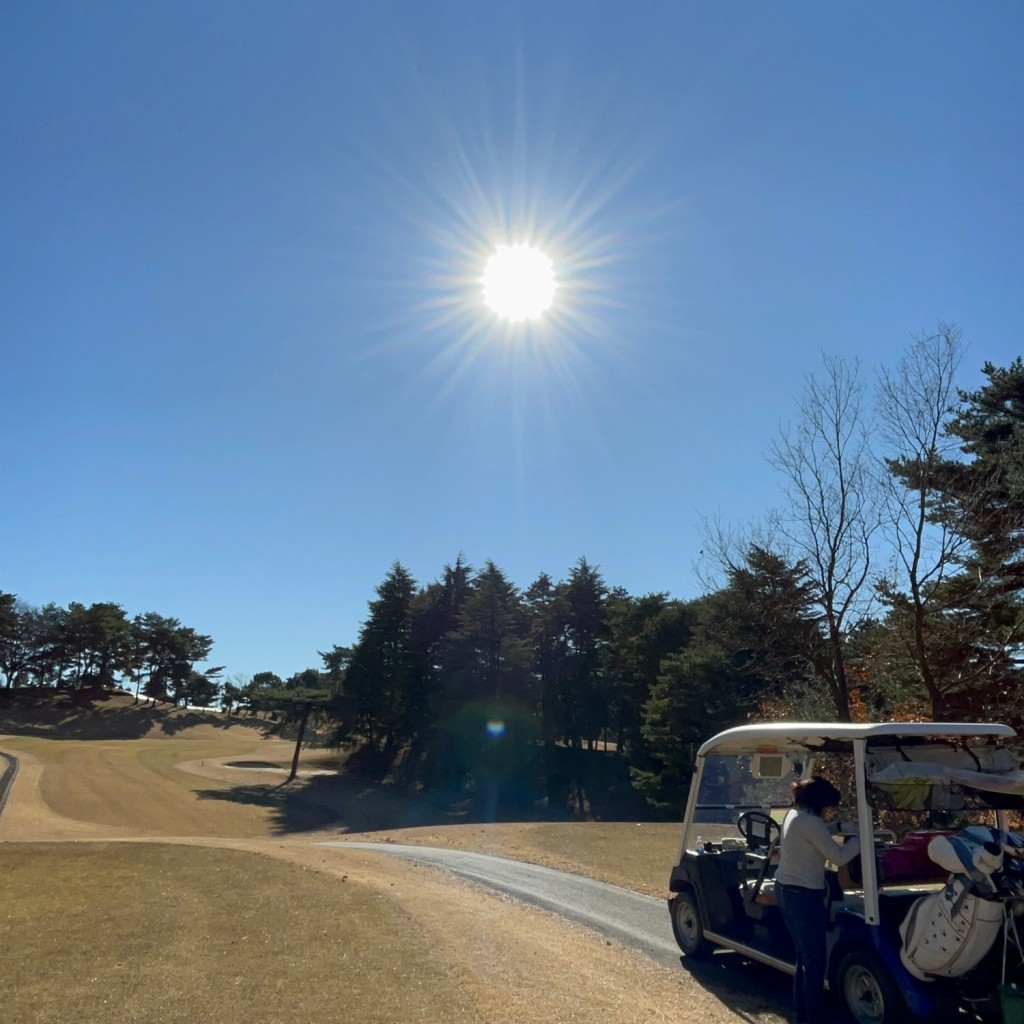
x: 760, y: 830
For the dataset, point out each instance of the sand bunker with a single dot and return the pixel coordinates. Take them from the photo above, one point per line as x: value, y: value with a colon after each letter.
x: 269, y: 766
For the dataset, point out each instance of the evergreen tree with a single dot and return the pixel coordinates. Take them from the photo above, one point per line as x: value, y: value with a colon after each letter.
x: 171, y: 652
x: 757, y: 638
x: 336, y: 662
x: 98, y: 646
x: 986, y: 594
x: 16, y: 648
x: 262, y: 685
x: 549, y: 643
x: 699, y: 692
x: 584, y: 695
x: 201, y: 689
x: 643, y: 631
x: 769, y: 620
x: 493, y: 732
x: 233, y: 692
x: 436, y: 614
x: 46, y: 630
x: 104, y: 635
x: 380, y: 685
x: 292, y: 705
x: 443, y: 675
x: 491, y: 638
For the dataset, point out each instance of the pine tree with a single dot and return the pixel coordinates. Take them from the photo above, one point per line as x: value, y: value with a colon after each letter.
x: 380, y: 685
x: 985, y: 597
x: 757, y: 638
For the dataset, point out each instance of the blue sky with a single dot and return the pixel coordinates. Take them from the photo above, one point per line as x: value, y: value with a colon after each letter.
x: 245, y: 363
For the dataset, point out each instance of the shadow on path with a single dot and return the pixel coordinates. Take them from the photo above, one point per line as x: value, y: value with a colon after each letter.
x: 10, y: 769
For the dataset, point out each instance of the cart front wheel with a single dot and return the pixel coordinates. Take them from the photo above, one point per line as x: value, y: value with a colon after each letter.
x: 686, y: 924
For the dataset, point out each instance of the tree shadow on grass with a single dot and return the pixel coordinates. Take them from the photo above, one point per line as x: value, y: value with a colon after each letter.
x: 89, y: 714
x: 291, y: 811
x: 126, y: 723
x: 344, y: 804
x: 115, y: 724
x: 175, y: 720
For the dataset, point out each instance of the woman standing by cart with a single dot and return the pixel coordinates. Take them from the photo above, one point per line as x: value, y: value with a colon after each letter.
x: 807, y: 844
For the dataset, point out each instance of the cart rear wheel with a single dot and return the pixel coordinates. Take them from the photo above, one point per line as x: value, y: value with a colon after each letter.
x: 687, y: 927
x: 867, y: 991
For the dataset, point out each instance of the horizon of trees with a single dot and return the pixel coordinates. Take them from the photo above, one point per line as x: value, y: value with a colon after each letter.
x: 889, y: 583
x: 98, y: 646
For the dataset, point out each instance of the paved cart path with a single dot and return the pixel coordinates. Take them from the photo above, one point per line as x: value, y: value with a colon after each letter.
x: 630, y: 918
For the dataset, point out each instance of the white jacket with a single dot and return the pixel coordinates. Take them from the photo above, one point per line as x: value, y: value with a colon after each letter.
x: 806, y: 846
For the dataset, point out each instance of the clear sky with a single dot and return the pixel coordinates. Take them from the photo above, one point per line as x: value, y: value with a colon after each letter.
x: 245, y: 361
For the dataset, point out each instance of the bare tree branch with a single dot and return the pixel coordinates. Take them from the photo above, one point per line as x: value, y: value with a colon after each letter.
x: 832, y: 504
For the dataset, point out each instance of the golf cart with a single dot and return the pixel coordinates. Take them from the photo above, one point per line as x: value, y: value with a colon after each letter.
x: 924, y: 927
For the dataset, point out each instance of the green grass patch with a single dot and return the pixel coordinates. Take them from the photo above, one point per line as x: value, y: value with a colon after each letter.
x: 147, y: 932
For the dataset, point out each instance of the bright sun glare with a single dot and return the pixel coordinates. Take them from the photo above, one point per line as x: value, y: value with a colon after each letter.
x: 518, y: 282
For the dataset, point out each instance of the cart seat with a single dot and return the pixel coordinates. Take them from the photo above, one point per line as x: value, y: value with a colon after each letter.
x: 757, y: 889
x: 766, y: 897
x: 757, y: 900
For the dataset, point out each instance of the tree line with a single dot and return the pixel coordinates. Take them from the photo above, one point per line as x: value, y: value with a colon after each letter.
x: 888, y: 583
x: 98, y: 646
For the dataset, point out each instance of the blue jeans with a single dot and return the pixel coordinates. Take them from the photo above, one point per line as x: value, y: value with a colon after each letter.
x: 806, y: 917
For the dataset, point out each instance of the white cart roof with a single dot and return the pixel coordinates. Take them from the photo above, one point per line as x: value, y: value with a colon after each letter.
x: 803, y: 736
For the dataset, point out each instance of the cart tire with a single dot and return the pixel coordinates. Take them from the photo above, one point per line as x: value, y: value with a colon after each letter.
x: 686, y: 925
x: 868, y: 992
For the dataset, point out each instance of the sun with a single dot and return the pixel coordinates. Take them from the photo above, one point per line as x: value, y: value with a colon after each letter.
x: 518, y: 282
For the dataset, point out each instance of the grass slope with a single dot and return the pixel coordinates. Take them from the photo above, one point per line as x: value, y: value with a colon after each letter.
x: 127, y: 933
x: 153, y: 780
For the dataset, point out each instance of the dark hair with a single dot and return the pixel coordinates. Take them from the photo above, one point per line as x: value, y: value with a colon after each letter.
x: 815, y: 793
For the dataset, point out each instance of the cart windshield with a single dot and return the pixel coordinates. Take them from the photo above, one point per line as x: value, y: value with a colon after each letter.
x: 733, y: 783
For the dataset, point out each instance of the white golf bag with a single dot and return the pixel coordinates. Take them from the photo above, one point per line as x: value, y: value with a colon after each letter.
x: 947, y: 933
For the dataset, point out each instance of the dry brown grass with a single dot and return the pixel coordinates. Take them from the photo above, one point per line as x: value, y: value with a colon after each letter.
x: 160, y: 785
x: 126, y: 933
x: 134, y: 932
x: 180, y: 786
x: 201, y: 928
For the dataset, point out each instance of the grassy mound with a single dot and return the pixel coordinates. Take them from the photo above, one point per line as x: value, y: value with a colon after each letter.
x: 97, y: 714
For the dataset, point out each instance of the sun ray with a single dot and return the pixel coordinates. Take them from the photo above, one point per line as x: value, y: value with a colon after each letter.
x: 531, y: 174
